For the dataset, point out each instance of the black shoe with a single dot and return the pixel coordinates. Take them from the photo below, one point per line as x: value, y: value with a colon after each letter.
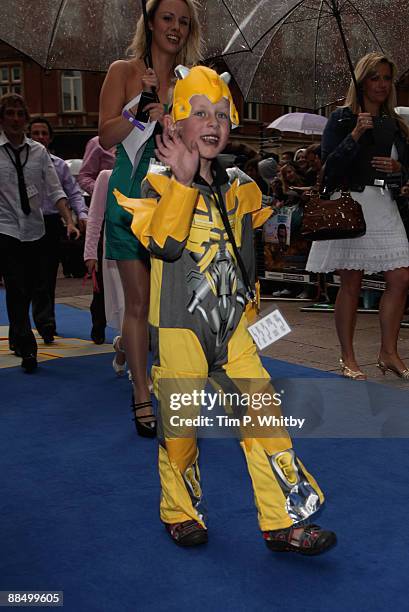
x: 145, y: 424
x: 29, y: 363
x: 14, y: 349
x: 47, y: 332
x: 98, y: 337
x: 311, y: 541
x: 187, y: 533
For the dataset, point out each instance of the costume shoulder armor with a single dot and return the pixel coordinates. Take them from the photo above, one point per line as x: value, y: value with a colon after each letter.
x: 236, y: 173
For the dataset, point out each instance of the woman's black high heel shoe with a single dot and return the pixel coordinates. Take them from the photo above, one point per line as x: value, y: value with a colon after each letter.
x: 145, y: 424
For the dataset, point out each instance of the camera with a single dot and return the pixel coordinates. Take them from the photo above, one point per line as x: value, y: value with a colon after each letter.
x: 147, y: 97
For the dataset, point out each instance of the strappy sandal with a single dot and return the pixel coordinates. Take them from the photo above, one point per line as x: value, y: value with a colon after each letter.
x: 118, y: 368
x: 146, y: 423
x: 311, y: 541
x: 187, y: 533
x: 384, y: 367
x: 347, y: 372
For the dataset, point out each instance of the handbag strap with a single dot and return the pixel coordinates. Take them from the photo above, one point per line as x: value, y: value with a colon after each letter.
x: 319, y: 183
x: 320, y: 187
x: 220, y: 205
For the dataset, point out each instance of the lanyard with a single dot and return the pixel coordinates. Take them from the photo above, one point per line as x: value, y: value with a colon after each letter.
x: 219, y: 201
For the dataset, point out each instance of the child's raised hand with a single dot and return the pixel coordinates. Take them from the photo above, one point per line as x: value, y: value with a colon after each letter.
x: 172, y: 151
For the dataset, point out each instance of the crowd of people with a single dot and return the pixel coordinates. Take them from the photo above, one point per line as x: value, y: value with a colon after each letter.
x: 169, y: 243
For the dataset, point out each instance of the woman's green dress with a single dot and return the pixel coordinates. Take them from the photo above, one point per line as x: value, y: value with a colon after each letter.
x: 121, y: 243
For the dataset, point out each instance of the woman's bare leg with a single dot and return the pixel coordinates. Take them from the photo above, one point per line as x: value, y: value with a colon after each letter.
x: 391, y: 309
x: 135, y: 282
x: 346, y: 306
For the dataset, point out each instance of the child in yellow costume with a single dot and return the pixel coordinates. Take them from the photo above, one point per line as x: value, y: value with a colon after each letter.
x: 197, y: 311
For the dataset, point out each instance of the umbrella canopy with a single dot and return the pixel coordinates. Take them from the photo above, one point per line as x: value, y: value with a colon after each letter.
x: 302, y: 123
x: 91, y: 34
x: 298, y: 56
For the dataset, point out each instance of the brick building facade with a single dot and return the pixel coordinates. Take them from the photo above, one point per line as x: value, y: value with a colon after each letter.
x: 68, y: 99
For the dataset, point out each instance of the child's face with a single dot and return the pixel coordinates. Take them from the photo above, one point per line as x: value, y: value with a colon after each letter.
x: 208, y: 126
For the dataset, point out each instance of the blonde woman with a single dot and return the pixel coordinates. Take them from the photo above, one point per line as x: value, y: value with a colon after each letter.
x: 174, y: 37
x: 365, y: 146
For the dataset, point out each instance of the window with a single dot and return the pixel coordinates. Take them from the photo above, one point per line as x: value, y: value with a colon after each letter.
x: 325, y: 111
x: 251, y: 111
x: 11, y: 79
x: 71, y: 82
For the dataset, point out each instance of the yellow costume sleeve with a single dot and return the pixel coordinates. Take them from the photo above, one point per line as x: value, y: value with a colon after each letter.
x: 174, y: 213
x: 162, y: 224
x: 260, y: 216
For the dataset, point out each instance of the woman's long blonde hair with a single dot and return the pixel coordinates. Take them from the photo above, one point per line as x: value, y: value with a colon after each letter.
x: 191, y: 53
x: 366, y: 67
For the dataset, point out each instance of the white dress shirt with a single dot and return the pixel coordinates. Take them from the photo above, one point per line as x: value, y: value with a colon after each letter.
x: 41, y: 180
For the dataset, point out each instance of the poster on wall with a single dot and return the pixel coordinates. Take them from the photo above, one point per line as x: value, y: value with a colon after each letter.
x: 277, y: 229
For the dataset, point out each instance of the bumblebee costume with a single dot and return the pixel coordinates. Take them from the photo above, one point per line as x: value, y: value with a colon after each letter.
x: 198, y: 322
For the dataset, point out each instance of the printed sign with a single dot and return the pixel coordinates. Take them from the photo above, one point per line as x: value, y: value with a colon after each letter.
x: 277, y: 229
x: 269, y: 329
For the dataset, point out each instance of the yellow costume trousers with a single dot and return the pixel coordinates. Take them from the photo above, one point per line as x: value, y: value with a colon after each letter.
x: 285, y: 493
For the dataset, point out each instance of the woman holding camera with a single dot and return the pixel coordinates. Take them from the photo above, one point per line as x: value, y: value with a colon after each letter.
x: 365, y: 147
x: 174, y: 39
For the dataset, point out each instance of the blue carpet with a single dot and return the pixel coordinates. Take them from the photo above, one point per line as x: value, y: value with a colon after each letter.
x: 79, y: 508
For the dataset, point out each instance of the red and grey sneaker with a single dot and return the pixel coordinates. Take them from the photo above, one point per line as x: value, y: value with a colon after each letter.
x: 187, y: 533
x: 305, y: 540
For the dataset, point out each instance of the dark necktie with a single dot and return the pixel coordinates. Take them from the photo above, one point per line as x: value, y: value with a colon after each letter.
x: 15, y: 153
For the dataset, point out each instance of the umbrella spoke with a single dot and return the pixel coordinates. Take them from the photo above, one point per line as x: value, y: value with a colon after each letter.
x: 358, y: 12
x: 55, y: 27
x: 278, y: 23
x: 316, y: 51
x: 277, y: 27
x: 304, y: 20
x: 342, y: 6
x: 239, y: 30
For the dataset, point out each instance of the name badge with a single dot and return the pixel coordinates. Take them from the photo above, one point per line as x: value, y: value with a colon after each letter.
x: 31, y: 191
x: 269, y: 329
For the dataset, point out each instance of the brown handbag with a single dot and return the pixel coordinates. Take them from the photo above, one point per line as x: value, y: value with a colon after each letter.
x: 325, y: 219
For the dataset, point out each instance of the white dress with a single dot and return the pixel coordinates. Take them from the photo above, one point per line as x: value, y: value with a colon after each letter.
x: 383, y: 247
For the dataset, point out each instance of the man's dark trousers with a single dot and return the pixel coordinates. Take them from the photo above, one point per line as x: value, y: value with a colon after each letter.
x: 97, y: 307
x: 22, y: 266
x: 44, y: 293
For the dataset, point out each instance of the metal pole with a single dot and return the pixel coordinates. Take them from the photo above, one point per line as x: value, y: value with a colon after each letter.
x: 338, y: 19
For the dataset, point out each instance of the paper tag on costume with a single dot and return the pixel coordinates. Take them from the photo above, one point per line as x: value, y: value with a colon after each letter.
x: 269, y: 329
x: 31, y: 191
x: 156, y: 167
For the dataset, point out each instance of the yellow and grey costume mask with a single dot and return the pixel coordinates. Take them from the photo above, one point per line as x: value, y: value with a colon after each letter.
x: 200, y: 81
